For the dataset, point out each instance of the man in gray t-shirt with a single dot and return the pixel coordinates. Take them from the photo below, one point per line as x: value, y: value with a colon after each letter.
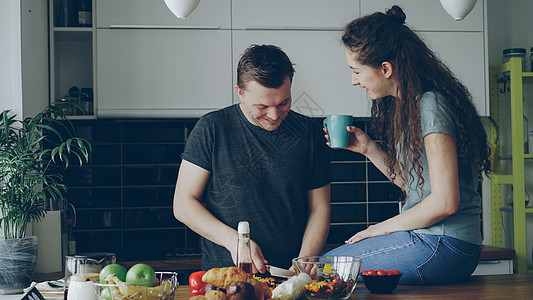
x: 260, y: 162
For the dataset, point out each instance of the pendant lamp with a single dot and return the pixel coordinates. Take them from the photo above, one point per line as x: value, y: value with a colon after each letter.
x: 182, y: 8
x: 458, y: 9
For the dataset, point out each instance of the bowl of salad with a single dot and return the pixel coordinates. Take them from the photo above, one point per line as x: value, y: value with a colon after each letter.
x: 333, y: 277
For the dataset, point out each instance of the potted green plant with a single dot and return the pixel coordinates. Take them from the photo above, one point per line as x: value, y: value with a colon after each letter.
x: 29, y: 150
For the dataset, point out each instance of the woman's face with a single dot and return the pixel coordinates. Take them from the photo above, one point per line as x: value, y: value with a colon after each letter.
x: 377, y: 82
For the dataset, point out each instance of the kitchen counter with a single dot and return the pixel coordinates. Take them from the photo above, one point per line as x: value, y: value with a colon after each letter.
x: 516, y: 286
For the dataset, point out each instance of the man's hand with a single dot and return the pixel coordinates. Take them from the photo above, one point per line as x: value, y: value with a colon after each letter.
x: 258, y: 260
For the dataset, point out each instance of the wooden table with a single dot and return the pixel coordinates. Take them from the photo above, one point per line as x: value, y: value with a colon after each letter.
x: 516, y: 286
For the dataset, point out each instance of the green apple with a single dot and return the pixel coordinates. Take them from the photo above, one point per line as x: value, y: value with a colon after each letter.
x: 116, y: 269
x: 141, y: 274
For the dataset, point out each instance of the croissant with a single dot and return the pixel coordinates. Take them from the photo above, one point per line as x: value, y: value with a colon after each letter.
x: 224, y: 277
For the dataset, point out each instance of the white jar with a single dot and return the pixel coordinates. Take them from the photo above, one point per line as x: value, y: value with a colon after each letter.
x: 81, y: 287
x: 515, y: 52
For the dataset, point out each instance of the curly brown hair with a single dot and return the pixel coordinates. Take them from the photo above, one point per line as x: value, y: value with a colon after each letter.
x: 383, y: 37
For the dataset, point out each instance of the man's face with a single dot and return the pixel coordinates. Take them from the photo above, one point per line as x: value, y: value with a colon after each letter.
x: 265, y: 107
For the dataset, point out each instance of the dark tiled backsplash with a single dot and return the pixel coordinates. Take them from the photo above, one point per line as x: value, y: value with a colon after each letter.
x: 123, y: 196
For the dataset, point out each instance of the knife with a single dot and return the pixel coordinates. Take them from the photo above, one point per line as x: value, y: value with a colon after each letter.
x: 279, y: 272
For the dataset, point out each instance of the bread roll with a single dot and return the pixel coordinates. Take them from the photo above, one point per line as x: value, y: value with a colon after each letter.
x: 215, y: 295
x: 224, y: 277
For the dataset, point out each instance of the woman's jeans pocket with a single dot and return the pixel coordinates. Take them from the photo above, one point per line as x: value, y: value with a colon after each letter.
x: 452, y: 261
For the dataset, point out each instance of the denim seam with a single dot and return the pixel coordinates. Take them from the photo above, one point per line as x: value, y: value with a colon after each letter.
x: 442, y: 242
x: 431, y: 258
x: 389, y: 248
x: 456, y: 250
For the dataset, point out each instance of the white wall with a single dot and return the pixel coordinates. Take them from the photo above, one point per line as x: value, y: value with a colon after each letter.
x: 510, y: 25
x: 10, y: 56
x: 23, y: 56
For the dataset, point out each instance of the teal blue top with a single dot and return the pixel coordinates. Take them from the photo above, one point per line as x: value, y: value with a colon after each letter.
x: 465, y: 224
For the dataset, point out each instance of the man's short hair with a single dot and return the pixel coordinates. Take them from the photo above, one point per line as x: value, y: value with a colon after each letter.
x: 267, y: 65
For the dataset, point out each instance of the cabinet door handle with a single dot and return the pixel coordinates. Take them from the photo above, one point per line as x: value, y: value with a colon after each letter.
x: 293, y: 28
x: 125, y: 26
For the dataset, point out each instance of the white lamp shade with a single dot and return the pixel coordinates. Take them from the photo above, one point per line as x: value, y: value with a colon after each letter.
x: 458, y: 9
x: 182, y: 8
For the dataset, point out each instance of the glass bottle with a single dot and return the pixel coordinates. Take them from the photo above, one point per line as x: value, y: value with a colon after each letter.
x: 244, y: 253
x: 63, y: 13
x: 83, y: 16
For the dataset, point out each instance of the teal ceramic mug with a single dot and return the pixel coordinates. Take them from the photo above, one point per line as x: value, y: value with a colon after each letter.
x: 338, y: 135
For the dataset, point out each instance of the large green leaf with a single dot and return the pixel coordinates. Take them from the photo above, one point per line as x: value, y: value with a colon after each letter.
x: 26, y: 181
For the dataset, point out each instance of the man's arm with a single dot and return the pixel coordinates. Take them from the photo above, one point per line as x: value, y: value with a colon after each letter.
x: 189, y: 210
x: 316, y: 231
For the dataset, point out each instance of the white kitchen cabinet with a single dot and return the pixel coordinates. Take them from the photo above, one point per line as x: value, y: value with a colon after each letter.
x: 494, y: 267
x: 163, y: 73
x: 71, y: 57
x: 463, y: 53
x: 428, y: 15
x: 291, y: 14
x: 322, y: 81
x: 154, y: 13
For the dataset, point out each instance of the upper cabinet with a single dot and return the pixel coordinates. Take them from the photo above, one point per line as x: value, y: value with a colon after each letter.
x: 428, y: 15
x: 72, y: 59
x: 293, y: 14
x: 154, y: 13
x: 152, y: 64
x: 142, y: 61
x: 465, y: 59
x: 163, y: 73
x: 309, y: 31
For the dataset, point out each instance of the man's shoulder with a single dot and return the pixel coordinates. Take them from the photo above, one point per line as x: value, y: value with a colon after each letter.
x: 220, y: 113
x: 218, y: 117
x: 304, y: 121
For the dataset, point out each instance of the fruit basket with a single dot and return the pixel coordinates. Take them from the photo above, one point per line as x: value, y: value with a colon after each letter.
x: 162, y: 289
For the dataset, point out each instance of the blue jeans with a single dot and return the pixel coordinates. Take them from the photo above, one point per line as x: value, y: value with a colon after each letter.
x: 422, y: 258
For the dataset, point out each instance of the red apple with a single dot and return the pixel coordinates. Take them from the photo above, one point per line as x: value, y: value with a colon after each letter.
x: 141, y: 274
x: 116, y: 269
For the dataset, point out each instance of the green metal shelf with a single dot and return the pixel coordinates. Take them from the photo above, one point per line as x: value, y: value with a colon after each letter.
x: 529, y: 210
x: 512, y: 72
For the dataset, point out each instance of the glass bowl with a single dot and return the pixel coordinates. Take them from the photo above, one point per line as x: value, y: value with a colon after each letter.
x: 165, y: 286
x: 334, y: 277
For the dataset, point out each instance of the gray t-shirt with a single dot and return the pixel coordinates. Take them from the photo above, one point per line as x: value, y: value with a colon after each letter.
x: 259, y: 176
x: 435, y: 116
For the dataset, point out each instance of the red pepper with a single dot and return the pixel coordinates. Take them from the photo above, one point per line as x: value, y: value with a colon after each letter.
x: 196, y: 284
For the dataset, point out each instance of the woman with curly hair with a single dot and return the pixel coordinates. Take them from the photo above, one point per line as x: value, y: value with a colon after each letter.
x: 432, y: 145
